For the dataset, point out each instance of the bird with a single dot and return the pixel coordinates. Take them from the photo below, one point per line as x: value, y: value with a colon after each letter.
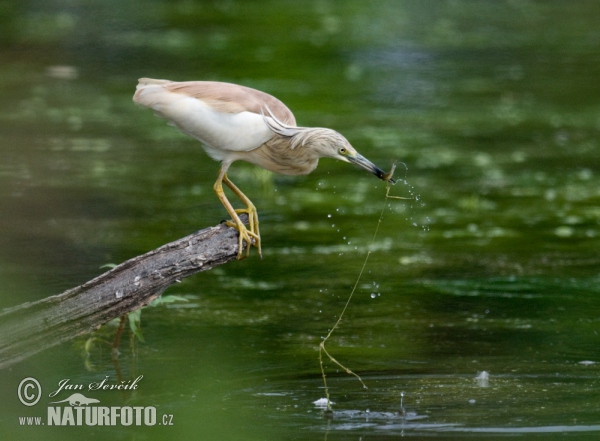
x: 235, y: 122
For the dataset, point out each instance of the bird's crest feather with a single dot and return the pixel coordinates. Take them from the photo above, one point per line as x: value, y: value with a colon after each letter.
x: 298, y: 135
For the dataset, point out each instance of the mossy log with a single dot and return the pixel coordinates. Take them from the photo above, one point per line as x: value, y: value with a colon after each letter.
x: 35, y: 326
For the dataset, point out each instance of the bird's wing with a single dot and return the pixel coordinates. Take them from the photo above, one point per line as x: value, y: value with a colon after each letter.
x: 233, y: 98
x: 224, y: 116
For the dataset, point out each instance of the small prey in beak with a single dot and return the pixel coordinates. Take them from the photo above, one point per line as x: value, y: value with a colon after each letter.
x: 363, y: 162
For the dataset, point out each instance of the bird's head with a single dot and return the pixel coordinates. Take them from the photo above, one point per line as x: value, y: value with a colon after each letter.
x: 331, y: 144
x: 325, y: 143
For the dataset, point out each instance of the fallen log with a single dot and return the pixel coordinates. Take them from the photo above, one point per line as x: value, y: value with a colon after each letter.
x: 32, y: 327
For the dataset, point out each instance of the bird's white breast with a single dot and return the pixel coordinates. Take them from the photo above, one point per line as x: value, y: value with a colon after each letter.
x: 221, y: 132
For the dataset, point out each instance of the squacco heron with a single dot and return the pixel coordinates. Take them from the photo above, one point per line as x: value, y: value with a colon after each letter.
x: 239, y: 123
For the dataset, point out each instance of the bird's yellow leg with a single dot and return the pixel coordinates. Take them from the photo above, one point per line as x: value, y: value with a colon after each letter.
x: 244, y: 234
x: 250, y: 210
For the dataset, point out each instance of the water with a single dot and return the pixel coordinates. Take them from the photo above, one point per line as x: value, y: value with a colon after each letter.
x: 490, y: 265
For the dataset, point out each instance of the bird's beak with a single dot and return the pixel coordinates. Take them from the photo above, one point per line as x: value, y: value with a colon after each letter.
x: 363, y: 162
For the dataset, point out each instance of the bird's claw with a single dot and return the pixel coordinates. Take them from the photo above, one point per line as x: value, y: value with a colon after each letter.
x: 250, y: 235
x: 246, y: 235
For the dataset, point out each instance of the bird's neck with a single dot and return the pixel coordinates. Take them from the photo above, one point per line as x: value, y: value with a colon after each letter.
x: 276, y: 155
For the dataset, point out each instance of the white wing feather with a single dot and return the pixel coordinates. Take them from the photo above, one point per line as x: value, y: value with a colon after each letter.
x: 220, y: 132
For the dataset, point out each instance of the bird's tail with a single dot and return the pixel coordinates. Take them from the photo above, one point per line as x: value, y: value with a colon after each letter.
x: 150, y: 93
x: 143, y: 82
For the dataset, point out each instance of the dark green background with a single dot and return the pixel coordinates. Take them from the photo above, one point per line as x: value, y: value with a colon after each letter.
x: 492, y: 264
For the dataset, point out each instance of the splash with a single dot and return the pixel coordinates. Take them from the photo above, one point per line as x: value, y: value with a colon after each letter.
x: 322, y: 344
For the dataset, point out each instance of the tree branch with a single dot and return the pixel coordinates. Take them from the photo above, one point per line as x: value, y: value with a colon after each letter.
x: 32, y: 327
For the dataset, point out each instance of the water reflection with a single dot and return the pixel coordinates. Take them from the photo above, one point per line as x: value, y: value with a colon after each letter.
x: 491, y: 106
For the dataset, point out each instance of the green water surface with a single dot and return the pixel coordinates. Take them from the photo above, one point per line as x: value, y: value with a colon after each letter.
x: 491, y: 263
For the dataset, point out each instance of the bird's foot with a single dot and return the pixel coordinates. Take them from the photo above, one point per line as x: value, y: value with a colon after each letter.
x: 250, y: 234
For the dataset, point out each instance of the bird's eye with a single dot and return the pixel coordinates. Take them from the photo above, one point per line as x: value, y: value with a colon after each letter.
x: 342, y: 150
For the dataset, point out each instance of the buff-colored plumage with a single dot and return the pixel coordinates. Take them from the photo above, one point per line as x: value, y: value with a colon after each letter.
x: 239, y: 123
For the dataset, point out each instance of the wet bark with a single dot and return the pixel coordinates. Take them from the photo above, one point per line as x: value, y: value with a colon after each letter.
x: 32, y: 327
